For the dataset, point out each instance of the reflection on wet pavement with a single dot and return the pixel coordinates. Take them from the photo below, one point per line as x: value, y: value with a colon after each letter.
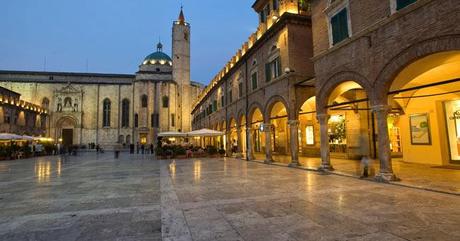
x: 412, y: 174
x: 85, y: 197
x: 238, y: 200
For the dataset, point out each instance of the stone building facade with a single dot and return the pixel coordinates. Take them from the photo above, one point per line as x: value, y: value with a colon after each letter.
x: 260, y: 88
x: 110, y: 109
x: 359, y: 78
x: 19, y: 116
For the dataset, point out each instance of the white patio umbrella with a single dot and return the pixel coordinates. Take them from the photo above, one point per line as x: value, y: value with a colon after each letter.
x: 172, y: 134
x: 205, y: 133
x: 28, y: 138
x: 10, y: 136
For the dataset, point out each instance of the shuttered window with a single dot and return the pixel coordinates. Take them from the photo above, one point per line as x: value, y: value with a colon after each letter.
x: 339, y: 26
x: 273, y: 70
x: 400, y: 4
x: 254, y: 81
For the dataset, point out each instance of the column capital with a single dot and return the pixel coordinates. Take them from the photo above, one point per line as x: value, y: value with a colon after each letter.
x: 293, y: 123
x: 322, y: 117
x: 267, y: 127
x: 381, y: 108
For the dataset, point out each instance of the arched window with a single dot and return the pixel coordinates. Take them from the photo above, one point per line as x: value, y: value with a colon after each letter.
x: 45, y: 103
x: 165, y: 101
x: 106, y: 113
x: 136, y: 120
x: 125, y: 113
x: 144, y: 100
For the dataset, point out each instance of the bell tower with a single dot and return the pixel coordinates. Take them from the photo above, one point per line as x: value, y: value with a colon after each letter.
x: 181, y: 71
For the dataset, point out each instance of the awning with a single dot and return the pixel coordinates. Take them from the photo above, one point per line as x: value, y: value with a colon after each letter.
x: 172, y: 134
x: 205, y: 133
x: 9, y: 136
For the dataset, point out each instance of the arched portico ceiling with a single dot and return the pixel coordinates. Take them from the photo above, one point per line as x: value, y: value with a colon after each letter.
x: 256, y: 116
x: 336, y: 94
x: 431, y: 69
x: 278, y: 110
x: 309, y: 105
x: 232, y: 123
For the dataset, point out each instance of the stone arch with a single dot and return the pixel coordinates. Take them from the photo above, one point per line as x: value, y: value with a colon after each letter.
x: 229, y: 123
x: 67, y: 121
x: 323, y: 92
x: 271, y: 102
x: 241, y: 114
x: 409, y: 55
x: 252, y: 108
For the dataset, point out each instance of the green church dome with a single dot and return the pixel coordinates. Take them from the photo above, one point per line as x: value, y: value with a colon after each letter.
x: 158, y: 57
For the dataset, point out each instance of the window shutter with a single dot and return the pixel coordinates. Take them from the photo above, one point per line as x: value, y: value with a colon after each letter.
x: 278, y: 67
x: 339, y: 25
x: 268, y: 72
x: 400, y: 4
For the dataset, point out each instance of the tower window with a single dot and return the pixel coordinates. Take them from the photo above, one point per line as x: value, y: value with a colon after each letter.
x: 173, y: 120
x: 155, y: 120
x: 144, y: 101
x: 165, y: 101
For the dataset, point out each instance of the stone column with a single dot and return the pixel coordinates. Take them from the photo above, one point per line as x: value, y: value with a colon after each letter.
x: 228, y: 144
x: 324, y: 137
x: 238, y: 142
x: 386, y: 169
x: 294, y: 141
x: 249, y: 143
x: 267, y: 128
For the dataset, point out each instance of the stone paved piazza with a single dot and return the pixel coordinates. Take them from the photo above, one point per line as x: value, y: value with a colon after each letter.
x: 136, y: 198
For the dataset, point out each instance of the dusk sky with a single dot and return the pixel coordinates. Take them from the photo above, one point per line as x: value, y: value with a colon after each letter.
x: 114, y: 36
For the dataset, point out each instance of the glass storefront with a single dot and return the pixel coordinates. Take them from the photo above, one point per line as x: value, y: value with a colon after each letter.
x: 452, y: 112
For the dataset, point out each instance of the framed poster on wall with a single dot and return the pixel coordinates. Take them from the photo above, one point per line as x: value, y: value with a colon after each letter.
x: 420, y: 129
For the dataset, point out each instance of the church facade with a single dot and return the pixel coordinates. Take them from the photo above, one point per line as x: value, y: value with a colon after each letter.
x: 111, y: 109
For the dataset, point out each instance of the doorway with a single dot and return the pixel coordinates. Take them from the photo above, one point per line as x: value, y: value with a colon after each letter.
x: 67, y: 137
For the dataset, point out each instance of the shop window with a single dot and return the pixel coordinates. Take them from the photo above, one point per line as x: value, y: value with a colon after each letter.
x: 339, y: 26
x: 337, y: 134
x: 452, y: 115
x: 309, y: 135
